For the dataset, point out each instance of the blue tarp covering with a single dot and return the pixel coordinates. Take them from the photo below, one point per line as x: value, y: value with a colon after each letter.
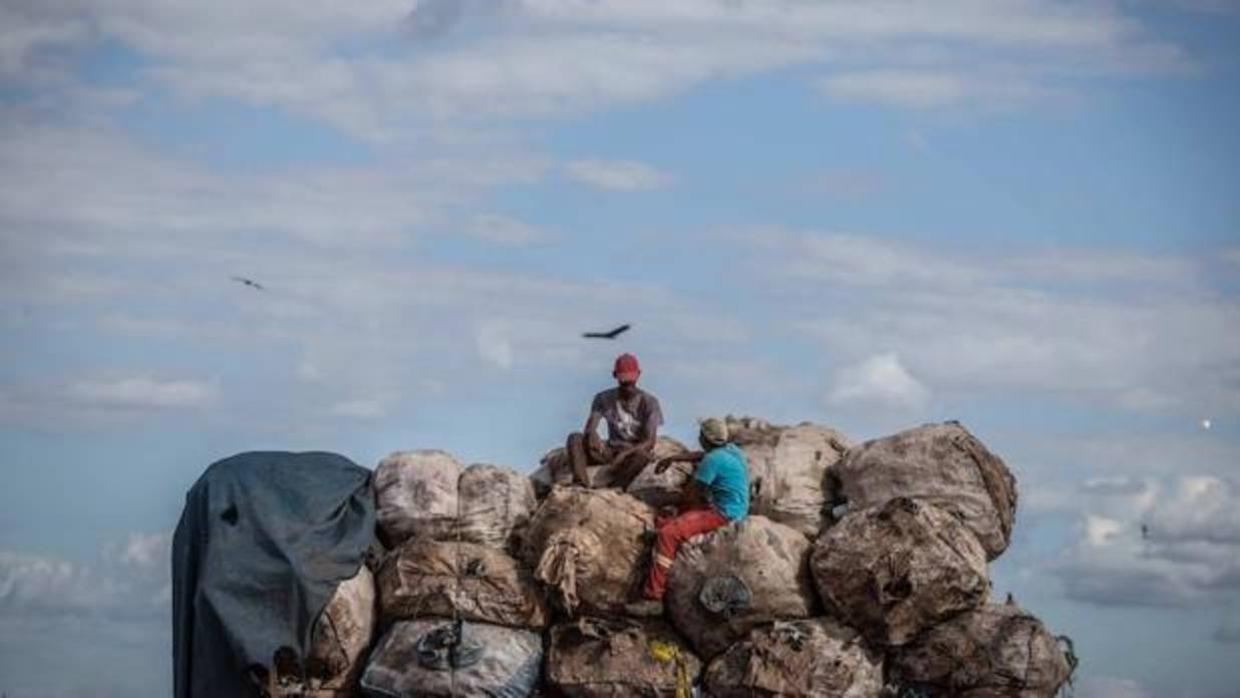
x: 263, y: 542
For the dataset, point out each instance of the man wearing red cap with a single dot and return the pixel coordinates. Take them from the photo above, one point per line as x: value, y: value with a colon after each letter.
x: 633, y: 418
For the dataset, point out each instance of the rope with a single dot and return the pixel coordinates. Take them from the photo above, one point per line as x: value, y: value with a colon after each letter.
x: 662, y: 651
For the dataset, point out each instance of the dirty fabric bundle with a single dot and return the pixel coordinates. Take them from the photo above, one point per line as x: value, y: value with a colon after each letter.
x: 788, y: 470
x: 458, y: 580
x: 606, y: 658
x: 942, y: 464
x: 264, y: 543
x: 590, y: 548
x: 446, y: 659
x: 797, y: 659
x: 728, y: 581
x: 342, y: 637
x: 896, y: 570
x: 656, y: 489
x: 997, y: 650
x: 427, y: 495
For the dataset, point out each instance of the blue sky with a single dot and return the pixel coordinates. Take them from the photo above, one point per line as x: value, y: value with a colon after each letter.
x: 1023, y: 214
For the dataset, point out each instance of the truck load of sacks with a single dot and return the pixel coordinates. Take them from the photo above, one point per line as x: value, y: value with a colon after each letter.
x: 860, y: 571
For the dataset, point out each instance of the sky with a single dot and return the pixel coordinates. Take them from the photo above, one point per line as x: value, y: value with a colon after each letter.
x: 1020, y: 214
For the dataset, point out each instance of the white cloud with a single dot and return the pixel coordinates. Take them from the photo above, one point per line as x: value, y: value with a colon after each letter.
x: 494, y: 345
x: 359, y: 409
x: 131, y: 580
x: 141, y: 393
x: 1110, y: 687
x: 1160, y: 545
x: 522, y: 58
x: 504, y: 230
x: 879, y: 380
x: 618, y: 175
x: 974, y: 324
x: 930, y: 89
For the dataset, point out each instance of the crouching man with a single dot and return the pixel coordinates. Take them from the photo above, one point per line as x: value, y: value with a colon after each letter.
x: 716, y: 494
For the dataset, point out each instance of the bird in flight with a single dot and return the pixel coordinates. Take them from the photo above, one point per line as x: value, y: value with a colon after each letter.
x: 248, y: 282
x: 611, y: 334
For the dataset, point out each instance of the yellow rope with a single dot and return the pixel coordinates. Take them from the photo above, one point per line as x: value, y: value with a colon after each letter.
x: 668, y: 652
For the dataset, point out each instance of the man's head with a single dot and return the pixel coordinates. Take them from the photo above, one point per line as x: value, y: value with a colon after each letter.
x: 626, y: 373
x: 712, y: 433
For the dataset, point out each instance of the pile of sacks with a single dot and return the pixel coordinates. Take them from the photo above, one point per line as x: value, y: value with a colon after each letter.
x: 860, y: 571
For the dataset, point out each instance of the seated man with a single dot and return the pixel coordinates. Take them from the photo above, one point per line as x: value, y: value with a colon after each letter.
x: 717, y: 494
x: 633, y: 418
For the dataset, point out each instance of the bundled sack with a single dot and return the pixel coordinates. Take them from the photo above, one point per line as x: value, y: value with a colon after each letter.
x: 728, y: 581
x: 589, y: 547
x: 788, y: 469
x: 427, y: 495
x: 939, y: 463
x: 415, y: 494
x: 466, y: 580
x: 656, y: 489
x: 446, y: 659
x: 992, y: 652
x: 797, y: 659
x: 896, y: 570
x: 341, y: 638
x: 495, y: 504
x: 615, y: 658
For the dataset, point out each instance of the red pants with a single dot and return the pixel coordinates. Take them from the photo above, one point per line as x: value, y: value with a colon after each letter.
x: 672, y: 532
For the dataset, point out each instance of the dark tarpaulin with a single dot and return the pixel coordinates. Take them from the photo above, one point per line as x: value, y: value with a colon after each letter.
x: 263, y: 542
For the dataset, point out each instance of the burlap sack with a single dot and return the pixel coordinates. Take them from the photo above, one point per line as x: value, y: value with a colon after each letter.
x: 427, y: 495
x: 650, y: 487
x: 666, y: 488
x: 590, y: 548
x: 996, y: 651
x: 788, y: 469
x: 895, y: 570
x: 442, y: 659
x: 495, y: 505
x: 616, y: 658
x: 942, y: 464
x: 415, y: 496
x: 341, y: 637
x: 466, y: 580
x: 728, y: 581
x: 797, y: 659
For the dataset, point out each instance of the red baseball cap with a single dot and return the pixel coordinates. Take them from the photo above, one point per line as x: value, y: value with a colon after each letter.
x: 627, y: 369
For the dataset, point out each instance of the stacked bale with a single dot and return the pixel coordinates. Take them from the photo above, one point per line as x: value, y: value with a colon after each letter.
x: 895, y: 570
x: 788, y: 470
x: 590, y: 548
x: 612, y: 658
x: 996, y: 650
x: 463, y: 616
x: 941, y: 464
x: 735, y: 578
x: 427, y: 495
x: 797, y: 659
x: 340, y: 639
x: 656, y: 489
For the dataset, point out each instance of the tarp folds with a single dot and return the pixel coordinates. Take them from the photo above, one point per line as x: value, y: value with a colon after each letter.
x: 263, y: 543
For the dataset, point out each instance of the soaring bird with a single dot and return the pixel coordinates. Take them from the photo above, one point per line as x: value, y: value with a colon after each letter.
x: 611, y: 334
x: 248, y: 282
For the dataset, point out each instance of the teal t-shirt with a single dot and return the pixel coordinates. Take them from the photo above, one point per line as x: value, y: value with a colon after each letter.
x: 725, y: 472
